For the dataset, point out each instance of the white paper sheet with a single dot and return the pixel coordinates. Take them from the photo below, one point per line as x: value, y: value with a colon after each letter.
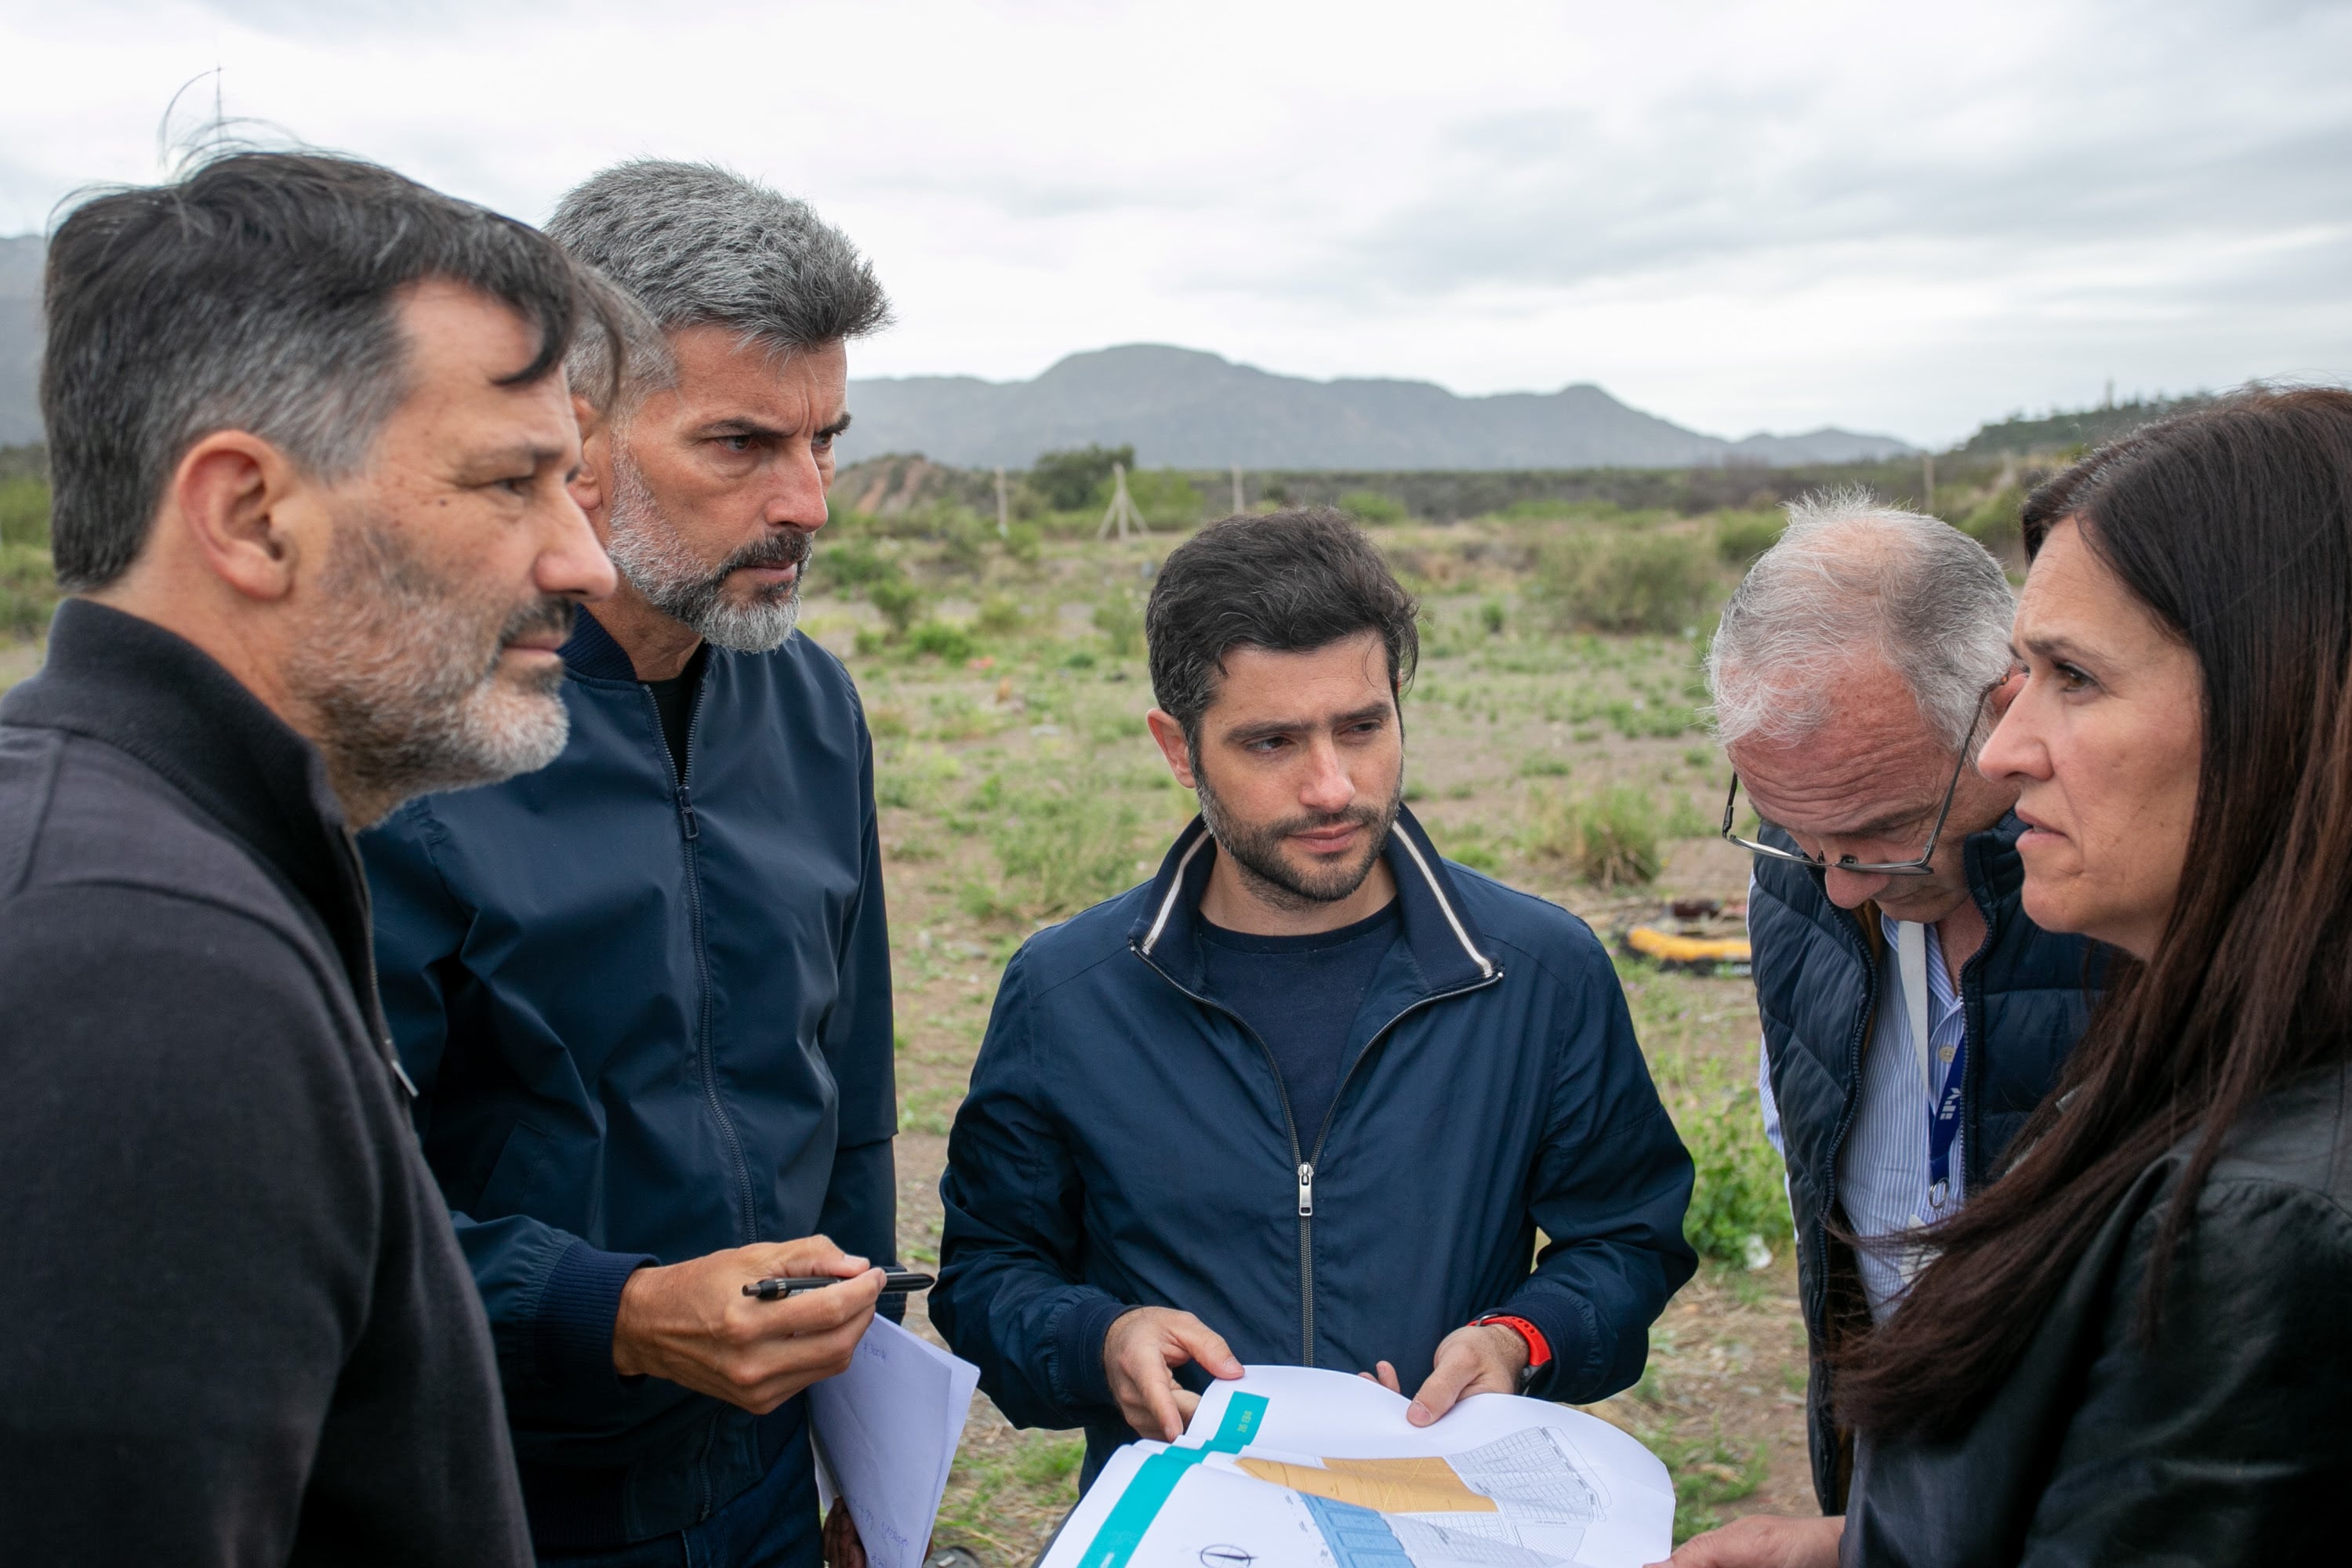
x: 1290, y: 1467
x: 885, y: 1433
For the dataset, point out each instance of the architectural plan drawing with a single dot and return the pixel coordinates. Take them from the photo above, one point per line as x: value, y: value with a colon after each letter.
x: 1289, y: 1467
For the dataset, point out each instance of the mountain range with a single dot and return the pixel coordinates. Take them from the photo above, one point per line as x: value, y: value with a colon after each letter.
x: 1183, y: 408
x: 1176, y: 406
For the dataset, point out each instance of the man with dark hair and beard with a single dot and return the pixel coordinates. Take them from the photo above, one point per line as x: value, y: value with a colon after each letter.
x: 1309, y: 1094
x: 311, y: 443
x: 646, y: 994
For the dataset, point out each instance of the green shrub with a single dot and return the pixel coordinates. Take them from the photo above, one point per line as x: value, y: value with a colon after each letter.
x: 1741, y: 536
x: 1610, y: 838
x: 1627, y: 583
x: 1064, y: 841
x: 1995, y: 523
x: 1119, y: 618
x: 963, y: 541
x: 1165, y: 497
x: 1491, y: 617
x: 1686, y: 820
x: 24, y: 510
x: 942, y: 641
x: 28, y: 591
x: 1372, y: 507
x: 1739, y: 1190
x: 1000, y: 615
x: 854, y: 564
x: 1023, y: 542
x: 898, y: 600
x: 1075, y: 480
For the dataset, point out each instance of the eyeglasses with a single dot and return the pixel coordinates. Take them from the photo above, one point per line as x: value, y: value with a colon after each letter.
x: 1918, y: 867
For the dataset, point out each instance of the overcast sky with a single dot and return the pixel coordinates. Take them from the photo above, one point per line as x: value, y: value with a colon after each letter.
x: 1902, y: 218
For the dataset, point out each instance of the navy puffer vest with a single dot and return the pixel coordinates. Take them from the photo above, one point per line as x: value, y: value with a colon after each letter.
x: 2026, y: 994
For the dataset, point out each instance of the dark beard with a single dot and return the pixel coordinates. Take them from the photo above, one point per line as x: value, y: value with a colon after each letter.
x: 1257, y: 851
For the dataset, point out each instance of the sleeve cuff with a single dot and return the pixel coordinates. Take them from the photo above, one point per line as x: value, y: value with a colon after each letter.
x: 1563, y: 1328
x: 573, y: 1329
x: 1079, y: 1349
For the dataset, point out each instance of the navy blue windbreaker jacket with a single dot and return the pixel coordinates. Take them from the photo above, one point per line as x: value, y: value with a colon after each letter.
x: 1127, y: 1141
x: 649, y: 1019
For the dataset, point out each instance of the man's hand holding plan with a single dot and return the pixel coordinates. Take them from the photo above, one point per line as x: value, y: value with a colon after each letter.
x: 1291, y: 1467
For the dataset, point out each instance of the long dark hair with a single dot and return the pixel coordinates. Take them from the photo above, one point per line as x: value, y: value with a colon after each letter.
x: 2233, y: 526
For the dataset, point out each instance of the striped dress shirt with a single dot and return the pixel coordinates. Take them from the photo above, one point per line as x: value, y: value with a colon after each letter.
x: 1882, y: 1175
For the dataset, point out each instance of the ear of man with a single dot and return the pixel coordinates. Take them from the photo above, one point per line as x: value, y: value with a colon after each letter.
x: 592, y: 486
x: 240, y: 531
x: 1170, y: 736
x: 238, y: 509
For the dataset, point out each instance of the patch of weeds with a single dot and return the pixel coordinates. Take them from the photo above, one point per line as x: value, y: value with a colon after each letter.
x: 1545, y: 767
x: 1051, y: 1462
x: 1707, y: 1471
x: 1000, y: 615
x: 1608, y: 838
x: 898, y: 600
x: 939, y: 640
x: 909, y: 777
x: 1741, y: 536
x: 929, y: 1110
x: 1624, y: 582
x: 1686, y: 820
x: 1064, y: 838
x: 1119, y: 618
x: 887, y: 724
x: 1738, y: 1192
x: 958, y: 716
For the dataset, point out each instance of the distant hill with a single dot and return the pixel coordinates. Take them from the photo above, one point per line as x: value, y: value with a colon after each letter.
x: 1183, y: 408
x: 2060, y: 429
x: 20, y: 339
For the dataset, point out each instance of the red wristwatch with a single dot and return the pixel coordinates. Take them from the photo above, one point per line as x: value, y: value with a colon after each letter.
x: 1539, y: 1348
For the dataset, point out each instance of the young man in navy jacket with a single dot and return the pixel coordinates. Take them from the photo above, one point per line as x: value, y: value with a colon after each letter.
x: 1309, y: 1096
x: 644, y: 994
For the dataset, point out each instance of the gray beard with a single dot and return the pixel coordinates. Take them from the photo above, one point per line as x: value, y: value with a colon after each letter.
x: 1257, y: 851
x: 646, y: 550
x: 404, y: 674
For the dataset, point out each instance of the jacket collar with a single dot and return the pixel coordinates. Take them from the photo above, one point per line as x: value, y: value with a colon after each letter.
x: 590, y: 651
x: 1444, y: 950
x: 125, y: 681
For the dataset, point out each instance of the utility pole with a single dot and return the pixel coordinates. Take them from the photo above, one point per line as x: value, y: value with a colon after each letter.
x: 1004, y: 508
x: 1927, y: 465
x: 1121, y: 511
x: 1237, y: 489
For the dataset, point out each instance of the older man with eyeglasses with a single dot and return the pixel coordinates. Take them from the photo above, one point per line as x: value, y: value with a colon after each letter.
x: 1912, y: 1014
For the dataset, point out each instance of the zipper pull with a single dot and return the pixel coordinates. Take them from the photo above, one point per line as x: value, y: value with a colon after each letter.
x: 685, y: 814
x: 1306, y: 1191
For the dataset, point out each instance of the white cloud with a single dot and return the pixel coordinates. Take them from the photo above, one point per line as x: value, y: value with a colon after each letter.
x: 1739, y: 216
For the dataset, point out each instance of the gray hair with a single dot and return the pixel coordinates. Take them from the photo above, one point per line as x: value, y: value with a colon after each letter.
x: 1852, y: 577
x: 696, y: 245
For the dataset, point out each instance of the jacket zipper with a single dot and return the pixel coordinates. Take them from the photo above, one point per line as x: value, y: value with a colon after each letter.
x: 1305, y: 1166
x: 691, y: 831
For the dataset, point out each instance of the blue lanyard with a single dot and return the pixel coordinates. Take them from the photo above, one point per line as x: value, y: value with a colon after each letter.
x: 1944, y: 1125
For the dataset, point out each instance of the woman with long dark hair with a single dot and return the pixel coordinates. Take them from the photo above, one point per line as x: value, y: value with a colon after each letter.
x: 2136, y: 1345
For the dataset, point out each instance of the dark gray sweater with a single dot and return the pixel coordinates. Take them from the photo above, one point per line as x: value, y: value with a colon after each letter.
x: 233, y: 1325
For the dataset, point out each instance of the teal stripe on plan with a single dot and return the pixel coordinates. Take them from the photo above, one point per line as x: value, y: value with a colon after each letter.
x: 1157, y: 1477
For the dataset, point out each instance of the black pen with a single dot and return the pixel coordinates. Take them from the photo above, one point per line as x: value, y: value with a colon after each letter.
x: 893, y: 1284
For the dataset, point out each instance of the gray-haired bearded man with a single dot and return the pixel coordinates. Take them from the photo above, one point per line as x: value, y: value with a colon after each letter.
x: 646, y: 997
